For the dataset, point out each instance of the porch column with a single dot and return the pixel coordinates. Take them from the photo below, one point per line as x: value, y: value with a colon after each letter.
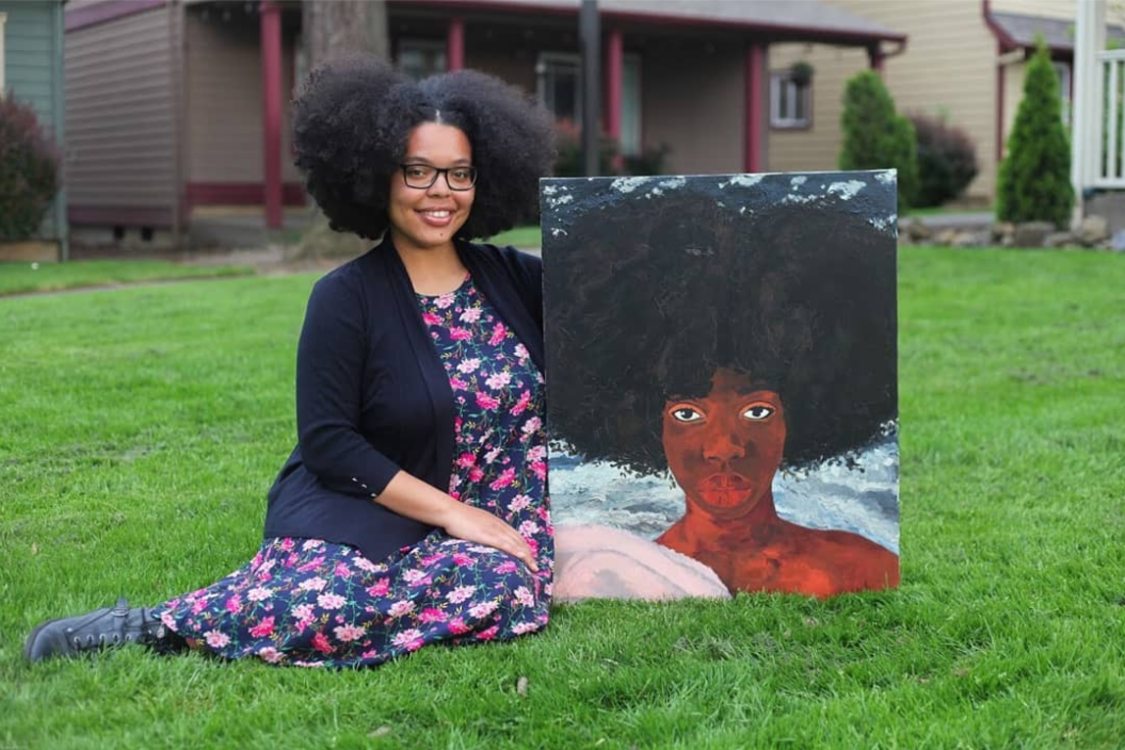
x: 455, y: 45
x: 756, y: 107
x: 271, y: 111
x: 1086, y: 88
x: 614, y: 67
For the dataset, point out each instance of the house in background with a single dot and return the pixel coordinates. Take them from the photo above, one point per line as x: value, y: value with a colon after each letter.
x: 966, y: 62
x: 179, y: 108
x: 31, y: 70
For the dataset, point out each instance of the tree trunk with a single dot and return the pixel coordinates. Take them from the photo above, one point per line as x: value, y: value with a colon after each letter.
x: 334, y: 26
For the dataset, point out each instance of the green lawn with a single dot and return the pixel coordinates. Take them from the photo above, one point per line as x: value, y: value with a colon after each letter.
x: 522, y: 237
x: 142, y: 427
x: 26, y: 277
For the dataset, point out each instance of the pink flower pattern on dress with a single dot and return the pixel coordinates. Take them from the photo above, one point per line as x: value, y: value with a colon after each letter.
x: 328, y: 606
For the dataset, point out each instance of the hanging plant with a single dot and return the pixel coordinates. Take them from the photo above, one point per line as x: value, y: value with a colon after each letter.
x: 801, y: 72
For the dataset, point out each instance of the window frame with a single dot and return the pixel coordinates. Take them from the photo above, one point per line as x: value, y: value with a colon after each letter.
x: 3, y: 23
x: 544, y: 59
x: 784, y: 77
x: 421, y: 44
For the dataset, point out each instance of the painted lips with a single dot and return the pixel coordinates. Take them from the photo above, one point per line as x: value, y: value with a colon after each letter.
x: 725, y: 490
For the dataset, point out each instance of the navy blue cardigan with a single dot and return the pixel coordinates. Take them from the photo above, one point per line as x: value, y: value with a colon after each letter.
x: 374, y: 398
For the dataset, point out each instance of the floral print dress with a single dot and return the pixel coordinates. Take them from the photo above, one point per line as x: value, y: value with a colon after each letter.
x: 309, y: 602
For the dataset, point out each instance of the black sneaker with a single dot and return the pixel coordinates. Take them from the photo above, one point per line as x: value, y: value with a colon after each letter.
x: 94, y: 631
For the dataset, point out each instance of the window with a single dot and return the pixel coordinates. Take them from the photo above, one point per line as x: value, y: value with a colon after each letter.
x: 3, y: 20
x: 790, y: 102
x: 559, y: 85
x: 420, y: 58
x: 1062, y: 70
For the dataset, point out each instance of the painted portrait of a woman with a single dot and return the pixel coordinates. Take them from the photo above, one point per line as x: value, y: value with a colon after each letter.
x: 722, y: 346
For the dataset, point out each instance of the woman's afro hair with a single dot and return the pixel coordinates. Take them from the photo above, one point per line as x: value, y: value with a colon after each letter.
x: 800, y: 298
x: 351, y: 121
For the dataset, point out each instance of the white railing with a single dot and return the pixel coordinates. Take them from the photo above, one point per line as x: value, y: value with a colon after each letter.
x: 1109, y: 144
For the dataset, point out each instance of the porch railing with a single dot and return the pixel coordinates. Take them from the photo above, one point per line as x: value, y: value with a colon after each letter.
x: 1110, y: 144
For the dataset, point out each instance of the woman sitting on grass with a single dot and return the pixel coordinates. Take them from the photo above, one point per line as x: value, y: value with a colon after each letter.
x: 413, y: 509
x: 722, y: 347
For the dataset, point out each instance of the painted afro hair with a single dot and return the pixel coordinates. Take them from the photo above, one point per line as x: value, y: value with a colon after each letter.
x: 351, y: 121
x: 800, y: 298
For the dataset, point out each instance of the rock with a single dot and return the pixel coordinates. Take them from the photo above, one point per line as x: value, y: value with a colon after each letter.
x: 1092, y: 230
x: 971, y: 239
x: 1117, y: 241
x: 945, y: 237
x: 917, y: 230
x: 1003, y: 231
x: 1032, y: 233
x: 1060, y: 239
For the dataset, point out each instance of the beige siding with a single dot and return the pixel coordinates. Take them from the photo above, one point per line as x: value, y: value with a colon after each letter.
x: 120, y: 113
x: 815, y: 149
x: 1045, y: 8
x: 223, y: 79
x: 1014, y: 73
x: 694, y: 103
x: 949, y: 68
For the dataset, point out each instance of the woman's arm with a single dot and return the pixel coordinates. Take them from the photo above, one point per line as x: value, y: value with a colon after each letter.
x: 411, y: 497
x: 331, y: 357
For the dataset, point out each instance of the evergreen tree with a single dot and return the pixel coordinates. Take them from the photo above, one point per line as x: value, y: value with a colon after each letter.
x: 1034, y: 182
x: 876, y: 137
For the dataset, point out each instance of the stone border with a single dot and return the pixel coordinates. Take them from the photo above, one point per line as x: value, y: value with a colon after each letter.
x: 1092, y: 234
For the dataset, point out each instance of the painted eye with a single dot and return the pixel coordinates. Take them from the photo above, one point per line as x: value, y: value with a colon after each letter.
x: 758, y: 412
x: 686, y: 414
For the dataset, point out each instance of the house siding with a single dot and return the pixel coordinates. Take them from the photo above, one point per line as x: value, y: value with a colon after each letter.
x: 121, y: 109
x: 816, y: 148
x: 695, y: 103
x: 948, y: 69
x: 223, y: 80
x: 32, y: 42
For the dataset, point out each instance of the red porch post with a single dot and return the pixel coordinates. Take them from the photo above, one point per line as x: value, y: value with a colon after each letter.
x: 755, y: 101
x: 271, y: 110
x: 614, y: 55
x: 455, y: 44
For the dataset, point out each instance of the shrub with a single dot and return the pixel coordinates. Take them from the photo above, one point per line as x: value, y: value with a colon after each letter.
x: 650, y: 161
x: 875, y: 137
x: 947, y: 160
x: 568, y: 141
x: 29, y: 171
x: 1034, y: 182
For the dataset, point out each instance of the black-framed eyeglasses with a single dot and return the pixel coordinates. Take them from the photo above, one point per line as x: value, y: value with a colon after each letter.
x: 422, y: 176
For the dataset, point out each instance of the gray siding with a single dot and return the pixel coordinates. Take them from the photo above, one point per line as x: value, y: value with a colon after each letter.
x: 32, y: 73
x: 121, y: 112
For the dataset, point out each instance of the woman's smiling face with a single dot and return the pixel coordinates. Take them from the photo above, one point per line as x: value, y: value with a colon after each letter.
x: 724, y: 448
x: 425, y: 218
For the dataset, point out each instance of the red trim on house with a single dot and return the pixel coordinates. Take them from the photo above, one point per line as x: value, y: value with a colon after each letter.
x: 755, y: 69
x: 1005, y: 41
x: 455, y: 45
x: 876, y: 59
x: 271, y: 110
x: 614, y: 75
x: 91, y: 15
x: 239, y: 194
x: 794, y: 33
x: 125, y: 216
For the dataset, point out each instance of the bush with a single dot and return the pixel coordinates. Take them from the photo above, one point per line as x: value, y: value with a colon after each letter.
x: 1034, y: 182
x: 875, y: 137
x: 29, y: 171
x: 947, y: 160
x: 568, y: 141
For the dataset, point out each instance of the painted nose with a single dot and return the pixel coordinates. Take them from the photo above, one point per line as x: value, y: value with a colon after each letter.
x: 723, y: 446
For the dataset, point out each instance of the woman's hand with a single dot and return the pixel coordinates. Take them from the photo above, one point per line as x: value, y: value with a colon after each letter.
x: 480, y: 526
x: 413, y: 498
